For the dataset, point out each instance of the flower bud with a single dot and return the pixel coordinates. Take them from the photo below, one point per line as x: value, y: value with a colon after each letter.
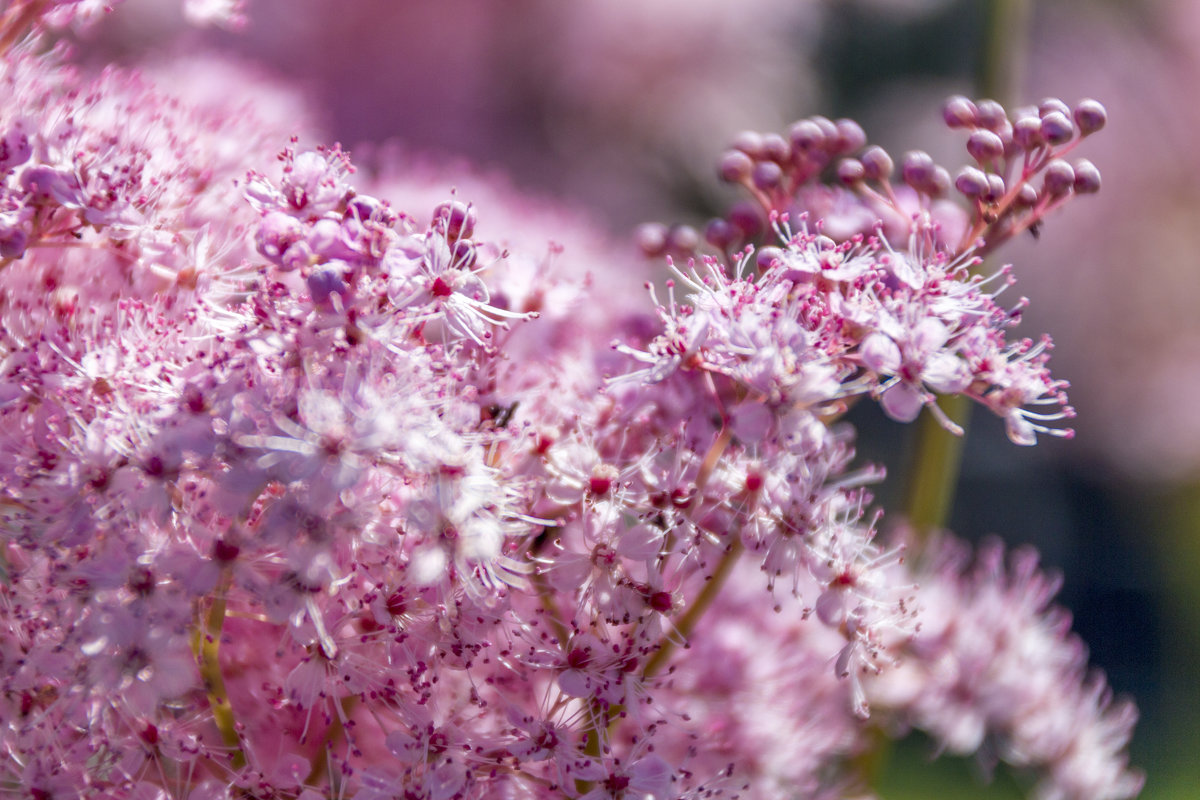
x: 939, y: 182
x: 683, y: 239
x: 1087, y: 177
x: 324, y: 282
x: 806, y: 136
x: 877, y: 164
x: 767, y: 257
x: 1059, y: 178
x: 13, y: 236
x: 971, y: 181
x: 746, y: 217
x: 1057, y: 128
x: 990, y: 114
x: 850, y: 171
x: 326, y: 241
x: 276, y: 233
x: 995, y: 188
x: 1027, y: 196
x: 455, y: 219
x: 776, y: 148
x: 651, y: 238
x: 1027, y: 132
x: 720, y: 233
x: 767, y: 175
x: 1052, y: 105
x: 959, y: 112
x: 463, y: 254
x: 984, y: 146
x: 298, y: 256
x: 364, y: 207
x: 750, y: 143
x: 917, y: 169
x: 44, y: 183
x: 1090, y: 116
x: 735, y: 166
x: 829, y: 130
x: 850, y: 136
x: 15, y: 148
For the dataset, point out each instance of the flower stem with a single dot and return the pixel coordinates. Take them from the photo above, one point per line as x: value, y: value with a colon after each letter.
x: 933, y: 472
x: 206, y: 643
x: 937, y: 455
x: 687, y: 623
x: 999, y: 72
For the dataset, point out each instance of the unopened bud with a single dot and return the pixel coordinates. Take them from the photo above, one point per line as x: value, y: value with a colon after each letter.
x: 683, y: 238
x: 1087, y: 177
x: 746, y: 217
x: 939, y: 182
x: 806, y: 136
x: 990, y: 114
x: 971, y: 181
x: 1052, y: 105
x: 767, y: 257
x: 456, y: 219
x: 959, y: 112
x: 995, y: 188
x: 1027, y: 196
x: 720, y: 233
x: 749, y: 143
x: 850, y: 136
x: 1057, y: 128
x: 767, y: 175
x: 735, y: 166
x: 651, y: 238
x: 1090, y: 116
x: 850, y: 171
x: 776, y: 148
x: 984, y: 146
x: 917, y: 169
x: 1059, y: 178
x: 877, y: 164
x: 1027, y: 132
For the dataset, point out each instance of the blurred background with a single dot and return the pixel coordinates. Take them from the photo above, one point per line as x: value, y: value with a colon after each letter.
x: 619, y: 108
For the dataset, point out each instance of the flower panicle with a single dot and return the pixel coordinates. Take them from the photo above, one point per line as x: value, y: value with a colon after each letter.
x: 308, y: 495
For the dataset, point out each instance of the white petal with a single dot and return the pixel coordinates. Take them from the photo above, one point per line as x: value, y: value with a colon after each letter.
x: 902, y: 402
x: 880, y: 354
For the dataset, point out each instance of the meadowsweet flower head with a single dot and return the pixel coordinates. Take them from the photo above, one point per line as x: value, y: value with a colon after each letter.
x: 309, y: 492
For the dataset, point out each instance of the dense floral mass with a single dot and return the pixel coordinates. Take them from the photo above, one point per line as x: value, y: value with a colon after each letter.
x: 306, y: 495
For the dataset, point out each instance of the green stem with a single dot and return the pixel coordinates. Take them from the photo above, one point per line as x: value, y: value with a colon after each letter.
x: 934, y: 468
x: 937, y: 455
x: 604, y: 721
x: 687, y: 623
x: 206, y: 643
x: 999, y: 73
x: 933, y: 471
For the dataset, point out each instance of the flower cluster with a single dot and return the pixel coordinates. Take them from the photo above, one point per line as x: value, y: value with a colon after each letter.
x: 307, y: 496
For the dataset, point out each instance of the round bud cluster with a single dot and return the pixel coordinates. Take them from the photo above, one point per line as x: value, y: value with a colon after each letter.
x: 1019, y: 173
x: 656, y: 240
x: 1010, y: 152
x: 773, y: 167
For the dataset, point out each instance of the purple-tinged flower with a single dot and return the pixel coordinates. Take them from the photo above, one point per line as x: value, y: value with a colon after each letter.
x: 913, y: 358
x: 995, y: 662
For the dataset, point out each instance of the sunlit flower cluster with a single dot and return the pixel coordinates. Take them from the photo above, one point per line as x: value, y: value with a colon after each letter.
x: 306, y: 495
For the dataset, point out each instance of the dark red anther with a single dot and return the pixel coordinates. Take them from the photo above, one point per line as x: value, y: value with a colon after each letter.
x: 225, y: 552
